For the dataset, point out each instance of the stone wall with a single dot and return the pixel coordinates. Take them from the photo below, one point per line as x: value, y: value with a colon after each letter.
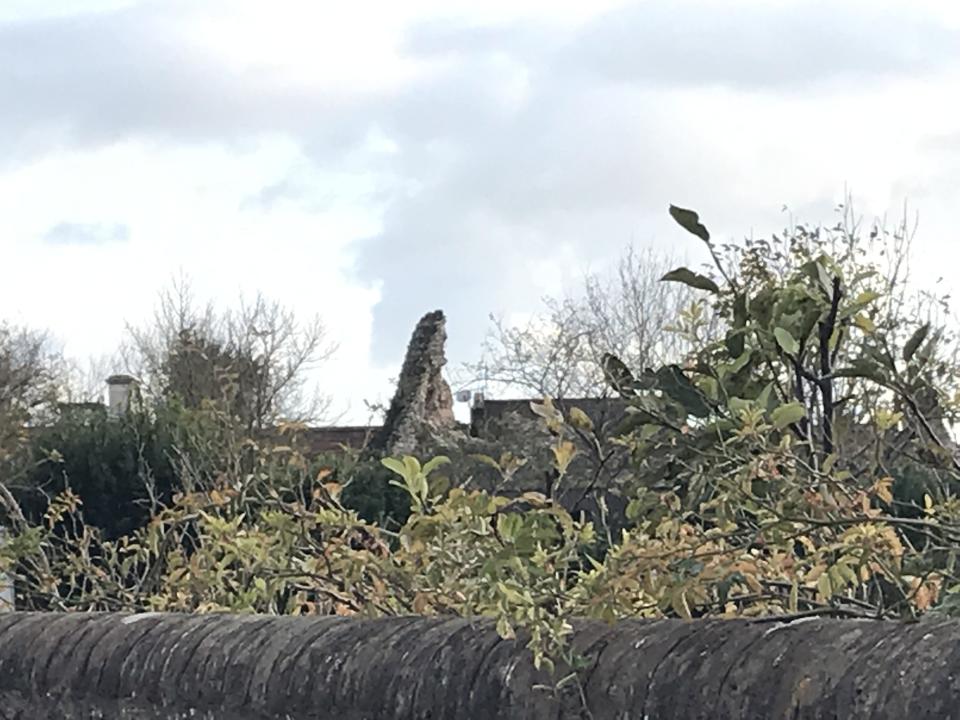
x: 422, y: 407
x: 215, y: 667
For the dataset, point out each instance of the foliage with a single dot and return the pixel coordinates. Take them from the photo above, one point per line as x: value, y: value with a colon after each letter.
x: 123, y: 469
x: 767, y: 463
x: 797, y: 462
x: 371, y: 494
x: 262, y: 533
x: 253, y: 360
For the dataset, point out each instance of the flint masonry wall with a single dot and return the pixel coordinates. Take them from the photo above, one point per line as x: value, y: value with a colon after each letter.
x: 423, y: 403
x: 215, y: 666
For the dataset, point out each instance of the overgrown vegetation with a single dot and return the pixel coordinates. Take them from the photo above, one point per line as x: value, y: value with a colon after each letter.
x: 796, y: 461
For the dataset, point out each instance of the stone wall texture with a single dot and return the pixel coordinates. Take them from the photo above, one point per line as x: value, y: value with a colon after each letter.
x: 422, y: 406
x: 243, y: 667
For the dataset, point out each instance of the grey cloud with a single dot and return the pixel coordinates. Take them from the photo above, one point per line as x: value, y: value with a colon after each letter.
x: 68, y: 233
x: 587, y: 156
x: 103, y: 77
x: 523, y: 139
x: 764, y: 47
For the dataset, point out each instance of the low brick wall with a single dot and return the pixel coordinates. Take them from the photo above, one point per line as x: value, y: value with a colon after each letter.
x: 239, y: 667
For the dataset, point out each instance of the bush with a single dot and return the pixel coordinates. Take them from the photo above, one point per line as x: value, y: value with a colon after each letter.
x: 121, y: 468
x: 370, y: 493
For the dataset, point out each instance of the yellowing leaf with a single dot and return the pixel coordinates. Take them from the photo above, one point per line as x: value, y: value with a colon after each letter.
x: 580, y: 419
x: 882, y: 489
x: 421, y: 602
x: 536, y: 499
x: 505, y: 629
x: 824, y: 586
x: 865, y: 324
x: 887, y: 420
x: 563, y: 453
x: 678, y: 601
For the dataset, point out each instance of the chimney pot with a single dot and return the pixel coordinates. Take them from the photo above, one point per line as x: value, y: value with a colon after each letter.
x: 119, y: 388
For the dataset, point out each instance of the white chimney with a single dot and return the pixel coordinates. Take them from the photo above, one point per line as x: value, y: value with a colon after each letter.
x: 478, y: 399
x: 119, y: 389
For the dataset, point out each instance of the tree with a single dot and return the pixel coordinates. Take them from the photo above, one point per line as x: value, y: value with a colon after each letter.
x: 255, y: 359
x: 766, y: 463
x: 557, y: 354
x: 30, y: 373
x: 30, y: 385
x: 122, y: 469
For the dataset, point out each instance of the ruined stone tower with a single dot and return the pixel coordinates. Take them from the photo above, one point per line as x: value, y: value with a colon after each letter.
x: 422, y: 408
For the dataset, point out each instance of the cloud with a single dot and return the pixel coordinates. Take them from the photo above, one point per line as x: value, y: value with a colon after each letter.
x: 68, y: 233
x: 486, y: 163
x: 761, y: 46
x: 137, y: 73
x: 530, y: 145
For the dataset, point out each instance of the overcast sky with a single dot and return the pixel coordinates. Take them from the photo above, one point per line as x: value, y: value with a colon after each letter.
x: 373, y: 161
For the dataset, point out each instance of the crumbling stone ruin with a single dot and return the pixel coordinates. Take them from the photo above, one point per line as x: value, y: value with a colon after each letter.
x: 421, y: 412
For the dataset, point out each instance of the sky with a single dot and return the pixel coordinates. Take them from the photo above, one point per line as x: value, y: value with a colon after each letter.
x: 374, y: 161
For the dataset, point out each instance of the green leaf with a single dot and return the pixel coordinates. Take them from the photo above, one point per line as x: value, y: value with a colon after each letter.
x: 734, y: 341
x: 740, y: 311
x: 674, y: 383
x: 816, y: 271
x: 435, y: 463
x: 786, y: 341
x: 690, y: 221
x: 741, y: 362
x: 737, y: 405
x: 694, y: 280
x: 766, y: 398
x: 826, y: 282
x: 486, y: 460
x: 863, y: 368
x: 618, y: 375
x: 412, y: 466
x: 787, y: 415
x: 919, y: 335
x: 395, y: 465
